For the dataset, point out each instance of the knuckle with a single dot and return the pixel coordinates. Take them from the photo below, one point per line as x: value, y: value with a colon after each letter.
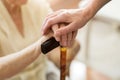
x: 46, y: 19
x: 49, y: 21
x: 58, y: 33
x: 64, y: 12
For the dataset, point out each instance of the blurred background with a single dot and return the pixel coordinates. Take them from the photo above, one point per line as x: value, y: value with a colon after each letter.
x: 99, y: 54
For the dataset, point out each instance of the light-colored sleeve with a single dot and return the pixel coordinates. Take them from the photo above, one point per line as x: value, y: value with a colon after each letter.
x: 41, y: 9
x: 2, y: 38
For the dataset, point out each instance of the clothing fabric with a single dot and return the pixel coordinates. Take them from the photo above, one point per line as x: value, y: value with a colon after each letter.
x: 11, y: 41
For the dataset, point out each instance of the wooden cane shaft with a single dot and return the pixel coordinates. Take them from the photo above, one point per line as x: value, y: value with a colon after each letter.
x: 63, y: 51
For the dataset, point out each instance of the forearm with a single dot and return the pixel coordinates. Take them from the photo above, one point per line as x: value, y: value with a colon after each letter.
x: 63, y: 4
x: 93, y: 6
x: 14, y: 63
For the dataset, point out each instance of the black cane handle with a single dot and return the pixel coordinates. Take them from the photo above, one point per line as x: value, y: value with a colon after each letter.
x: 49, y: 45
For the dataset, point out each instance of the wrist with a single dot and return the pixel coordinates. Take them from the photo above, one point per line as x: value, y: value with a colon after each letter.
x: 86, y: 13
x: 89, y: 12
x: 37, y: 46
x: 93, y: 6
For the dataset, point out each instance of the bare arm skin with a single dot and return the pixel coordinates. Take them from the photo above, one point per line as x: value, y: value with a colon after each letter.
x: 14, y: 63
